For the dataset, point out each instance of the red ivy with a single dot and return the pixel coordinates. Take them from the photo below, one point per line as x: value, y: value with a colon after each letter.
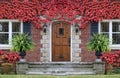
x: 112, y: 58
x: 31, y: 10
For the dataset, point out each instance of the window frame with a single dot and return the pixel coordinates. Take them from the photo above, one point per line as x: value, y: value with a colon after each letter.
x: 112, y: 46
x: 8, y: 46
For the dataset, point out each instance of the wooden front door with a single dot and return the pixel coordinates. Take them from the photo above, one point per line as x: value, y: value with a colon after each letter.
x: 61, y: 42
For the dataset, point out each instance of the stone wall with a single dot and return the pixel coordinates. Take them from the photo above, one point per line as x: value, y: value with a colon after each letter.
x: 45, y: 49
x: 76, y: 41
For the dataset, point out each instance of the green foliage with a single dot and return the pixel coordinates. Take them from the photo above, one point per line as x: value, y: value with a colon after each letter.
x: 99, y: 42
x: 117, y: 70
x: 21, y: 42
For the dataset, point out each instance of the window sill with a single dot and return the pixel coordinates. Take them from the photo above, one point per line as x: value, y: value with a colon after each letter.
x: 5, y: 46
x: 115, y: 47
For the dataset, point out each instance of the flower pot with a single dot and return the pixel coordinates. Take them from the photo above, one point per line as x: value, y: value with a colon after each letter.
x: 22, y: 54
x: 98, y: 55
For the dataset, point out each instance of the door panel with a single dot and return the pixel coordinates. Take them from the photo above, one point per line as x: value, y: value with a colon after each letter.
x: 60, y: 41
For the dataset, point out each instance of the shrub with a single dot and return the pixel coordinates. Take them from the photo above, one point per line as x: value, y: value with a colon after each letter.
x: 9, y: 57
x: 12, y: 57
x: 117, y: 70
x: 112, y: 58
x: 7, y: 62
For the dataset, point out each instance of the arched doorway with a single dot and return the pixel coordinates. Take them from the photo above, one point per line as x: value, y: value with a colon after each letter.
x: 61, y: 41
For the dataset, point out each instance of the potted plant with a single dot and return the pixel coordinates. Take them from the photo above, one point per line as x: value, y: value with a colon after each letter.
x: 21, y: 43
x: 99, y: 43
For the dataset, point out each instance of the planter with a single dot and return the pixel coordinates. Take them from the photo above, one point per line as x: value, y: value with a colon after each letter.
x: 22, y: 54
x: 98, y: 55
x: 23, y: 42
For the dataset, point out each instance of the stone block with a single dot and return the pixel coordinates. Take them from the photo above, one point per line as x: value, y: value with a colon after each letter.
x: 77, y: 37
x: 99, y: 67
x: 44, y: 50
x: 21, y: 67
x: 76, y: 50
x: 46, y: 45
x: 77, y: 54
x: 46, y: 54
x: 44, y: 37
x: 75, y: 45
x: 45, y: 59
x: 76, y: 59
x: 76, y: 41
x: 44, y: 41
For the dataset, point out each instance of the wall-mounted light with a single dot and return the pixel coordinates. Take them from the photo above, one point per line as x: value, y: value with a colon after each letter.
x: 44, y: 28
x: 76, y: 28
x: 0, y: 27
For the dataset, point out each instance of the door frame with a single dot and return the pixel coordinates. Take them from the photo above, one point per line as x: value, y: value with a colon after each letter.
x: 50, y: 28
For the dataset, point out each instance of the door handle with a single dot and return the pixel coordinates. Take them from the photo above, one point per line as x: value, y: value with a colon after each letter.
x: 69, y: 39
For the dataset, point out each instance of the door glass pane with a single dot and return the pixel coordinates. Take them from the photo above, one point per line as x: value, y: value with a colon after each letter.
x: 104, y: 26
x: 116, y: 26
x: 16, y: 27
x: 61, y: 31
x: 3, y: 38
x: 4, y: 26
x: 116, y: 38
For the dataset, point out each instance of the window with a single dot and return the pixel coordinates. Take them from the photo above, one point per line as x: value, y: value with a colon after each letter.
x: 8, y: 28
x: 112, y: 29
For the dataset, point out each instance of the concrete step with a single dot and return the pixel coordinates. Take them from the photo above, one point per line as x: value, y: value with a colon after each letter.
x: 63, y: 65
x: 60, y: 68
x: 77, y: 69
x: 60, y: 73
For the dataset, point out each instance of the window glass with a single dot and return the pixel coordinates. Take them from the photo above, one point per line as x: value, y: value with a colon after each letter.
x: 104, y: 26
x: 61, y: 31
x: 15, y: 26
x: 4, y: 26
x: 116, y: 39
x: 4, y: 38
x: 4, y: 32
x: 116, y: 26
